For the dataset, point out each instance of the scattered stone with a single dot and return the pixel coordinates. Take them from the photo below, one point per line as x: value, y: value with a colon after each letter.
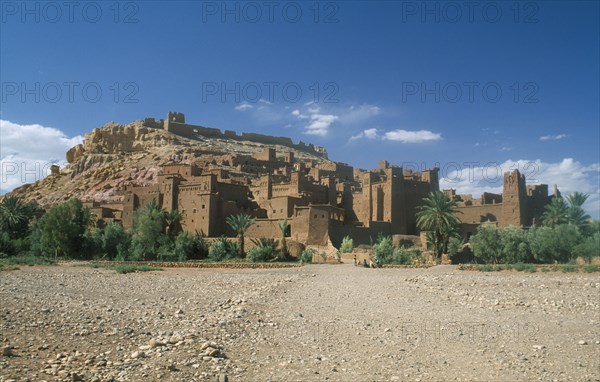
x: 582, y: 342
x: 7, y: 351
x: 138, y: 354
x: 154, y: 343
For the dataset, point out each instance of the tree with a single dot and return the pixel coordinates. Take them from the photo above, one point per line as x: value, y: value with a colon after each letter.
x: 15, y: 216
x: 172, y: 222
x: 576, y: 214
x: 555, y: 212
x: 240, y: 223
x: 284, y: 227
x: 438, y: 214
x: 113, y: 238
x: 61, y: 230
x: 148, y: 230
x: 577, y: 199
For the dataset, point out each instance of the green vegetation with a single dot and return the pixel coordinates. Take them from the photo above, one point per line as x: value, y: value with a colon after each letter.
x: 284, y: 227
x: 264, y: 250
x: 347, y: 245
x: 124, y: 268
x: 385, y: 253
x: 306, y: 256
x: 222, y: 249
x: 531, y: 268
x: 543, y: 245
x: 438, y: 215
x: 240, y: 224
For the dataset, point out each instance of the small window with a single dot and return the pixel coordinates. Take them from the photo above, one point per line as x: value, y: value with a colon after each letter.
x: 194, y: 210
x: 203, y: 206
x: 323, y: 216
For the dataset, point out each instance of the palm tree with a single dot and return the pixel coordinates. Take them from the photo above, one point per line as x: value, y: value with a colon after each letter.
x: 576, y: 214
x: 13, y: 214
x: 240, y: 223
x: 577, y: 199
x: 438, y: 214
x: 283, y: 227
x: 173, y: 222
x: 556, y: 212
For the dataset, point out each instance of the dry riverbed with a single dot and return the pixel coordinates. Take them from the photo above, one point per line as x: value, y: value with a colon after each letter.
x: 315, y: 323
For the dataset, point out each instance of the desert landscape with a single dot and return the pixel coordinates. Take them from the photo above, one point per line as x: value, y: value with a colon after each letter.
x: 309, y: 323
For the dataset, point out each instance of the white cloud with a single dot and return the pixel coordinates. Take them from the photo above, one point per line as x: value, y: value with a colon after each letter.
x: 569, y: 175
x: 553, y: 137
x: 320, y: 123
x: 244, y: 106
x: 406, y: 136
x: 27, y: 151
x: 403, y: 136
x: 368, y: 133
x: 358, y: 114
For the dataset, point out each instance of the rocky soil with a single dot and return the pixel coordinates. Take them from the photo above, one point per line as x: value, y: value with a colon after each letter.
x: 315, y: 323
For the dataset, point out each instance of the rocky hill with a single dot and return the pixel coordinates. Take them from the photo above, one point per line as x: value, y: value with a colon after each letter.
x: 115, y: 156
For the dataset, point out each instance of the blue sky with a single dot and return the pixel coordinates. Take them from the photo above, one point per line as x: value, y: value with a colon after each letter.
x: 493, y: 84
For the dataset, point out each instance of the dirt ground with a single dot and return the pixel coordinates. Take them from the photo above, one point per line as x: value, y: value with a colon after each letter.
x: 315, y: 323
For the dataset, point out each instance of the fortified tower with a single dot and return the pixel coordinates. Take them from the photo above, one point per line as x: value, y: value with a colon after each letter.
x: 514, y: 199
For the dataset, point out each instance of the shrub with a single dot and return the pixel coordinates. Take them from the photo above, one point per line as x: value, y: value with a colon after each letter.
x: 306, y: 256
x: 591, y: 268
x: 568, y: 268
x: 185, y: 246
x: 550, y: 244
x: 200, y: 247
x: 222, y: 249
x: 347, y: 245
x: 402, y: 256
x: 487, y: 245
x: 521, y: 267
x: 263, y: 250
x: 589, y: 248
x: 383, y: 250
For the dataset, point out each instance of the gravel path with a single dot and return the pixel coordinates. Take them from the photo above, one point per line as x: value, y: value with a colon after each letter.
x: 315, y: 323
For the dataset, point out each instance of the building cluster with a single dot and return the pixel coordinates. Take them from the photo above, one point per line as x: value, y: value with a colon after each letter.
x: 322, y: 200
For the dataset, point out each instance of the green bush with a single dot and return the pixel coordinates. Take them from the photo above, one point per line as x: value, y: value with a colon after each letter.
x: 200, y: 247
x: 383, y: 250
x: 222, y: 249
x: 257, y: 254
x: 306, y: 256
x: 347, y: 245
x: 185, y: 246
x: 568, y: 268
x: 589, y: 248
x: 550, y: 244
x: 521, y: 267
x: 28, y: 260
x: 589, y: 268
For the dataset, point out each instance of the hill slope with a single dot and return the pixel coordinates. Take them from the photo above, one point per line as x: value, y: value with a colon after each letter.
x: 115, y: 156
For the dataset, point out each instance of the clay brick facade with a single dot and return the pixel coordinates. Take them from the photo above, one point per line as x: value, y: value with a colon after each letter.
x: 322, y: 200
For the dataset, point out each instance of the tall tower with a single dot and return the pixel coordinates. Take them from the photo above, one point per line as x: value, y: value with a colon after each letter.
x: 513, y: 199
